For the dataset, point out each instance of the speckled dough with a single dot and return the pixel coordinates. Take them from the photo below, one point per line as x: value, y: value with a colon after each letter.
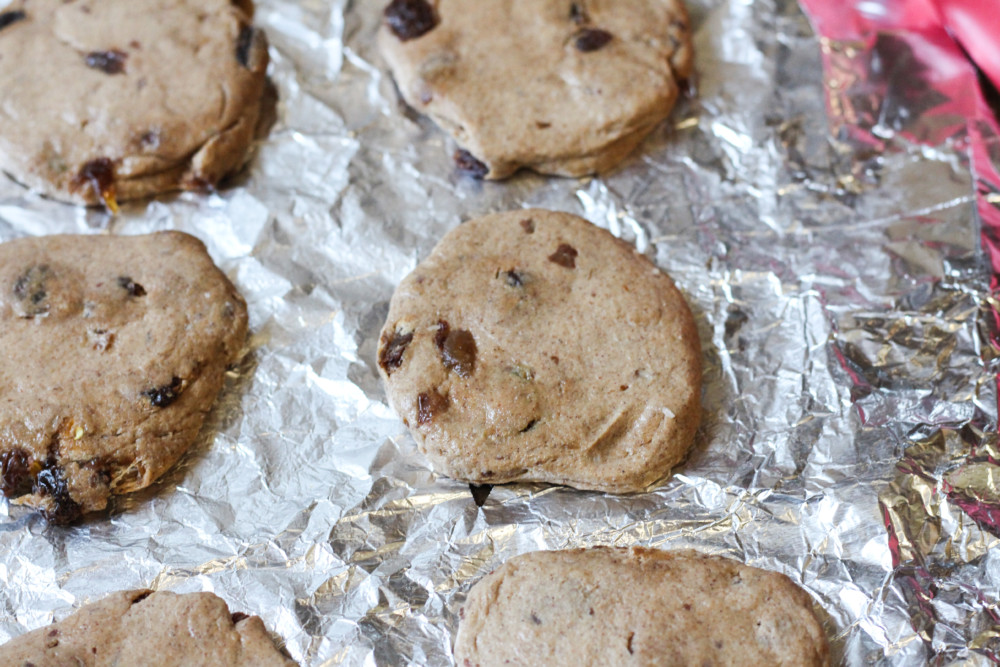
x: 511, y: 83
x: 115, y: 348
x: 534, y: 346
x: 606, y: 606
x: 152, y: 629
x: 134, y: 97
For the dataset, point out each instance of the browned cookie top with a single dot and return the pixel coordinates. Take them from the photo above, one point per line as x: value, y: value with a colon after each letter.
x: 152, y: 629
x: 641, y: 607
x: 114, y: 349
x: 533, y: 345
x: 125, y: 98
x: 565, y: 87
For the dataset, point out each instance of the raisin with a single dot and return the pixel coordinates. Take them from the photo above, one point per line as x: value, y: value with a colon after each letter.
x: 243, y: 44
x: 528, y: 225
x: 51, y: 481
x: 442, y: 334
x: 577, y: 13
x: 130, y: 286
x: 140, y: 597
x: 390, y: 357
x: 512, y: 278
x: 535, y: 619
x: 458, y: 352
x: 629, y: 644
x: 468, y: 164
x: 7, y: 18
x: 429, y: 405
x: 409, y: 19
x: 150, y: 140
x: 591, y: 39
x: 109, y: 62
x: 565, y: 256
x: 530, y: 425
x: 161, y: 397
x: 30, y: 290
x: 239, y: 616
x: 99, y: 174
x: 480, y: 492
x: 15, y: 473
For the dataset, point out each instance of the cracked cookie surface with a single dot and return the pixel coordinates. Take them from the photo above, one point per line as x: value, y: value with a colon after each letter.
x: 643, y: 607
x: 564, y: 87
x: 115, y: 349
x: 154, y: 629
x: 120, y: 99
x: 534, y: 346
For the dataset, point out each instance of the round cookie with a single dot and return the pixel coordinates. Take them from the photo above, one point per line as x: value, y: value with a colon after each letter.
x: 120, y: 99
x: 564, y: 87
x: 115, y: 348
x: 534, y: 346
x: 607, y: 606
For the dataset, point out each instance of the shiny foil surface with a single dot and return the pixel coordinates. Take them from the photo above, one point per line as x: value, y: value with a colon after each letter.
x: 837, y: 269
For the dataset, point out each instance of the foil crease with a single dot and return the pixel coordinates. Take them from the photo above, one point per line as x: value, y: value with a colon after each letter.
x: 837, y: 270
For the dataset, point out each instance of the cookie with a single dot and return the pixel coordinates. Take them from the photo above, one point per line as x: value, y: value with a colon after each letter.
x: 120, y: 99
x: 153, y: 629
x: 115, y: 348
x: 534, y: 346
x: 564, y: 87
x: 609, y: 606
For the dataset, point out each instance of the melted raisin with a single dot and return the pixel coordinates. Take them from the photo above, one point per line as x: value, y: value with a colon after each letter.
x: 458, y: 352
x: 565, y: 256
x: 469, y: 165
x: 161, y: 397
x: 429, y: 405
x: 130, y: 286
x: 99, y: 174
x: 591, y: 39
x: 51, y: 482
x: 15, y: 473
x: 8, y: 18
x: 409, y: 19
x: 109, y: 62
x: 243, y: 44
x: 390, y: 357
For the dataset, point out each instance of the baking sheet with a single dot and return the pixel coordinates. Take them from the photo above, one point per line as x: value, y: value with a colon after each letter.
x: 843, y: 300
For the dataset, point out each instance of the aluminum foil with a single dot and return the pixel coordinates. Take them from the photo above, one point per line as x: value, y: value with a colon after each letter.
x: 843, y: 294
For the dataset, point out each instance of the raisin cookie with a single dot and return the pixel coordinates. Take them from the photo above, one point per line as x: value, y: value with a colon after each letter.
x: 564, y: 87
x: 534, y: 346
x: 115, y: 348
x: 119, y: 99
x: 154, y: 629
x: 607, y: 606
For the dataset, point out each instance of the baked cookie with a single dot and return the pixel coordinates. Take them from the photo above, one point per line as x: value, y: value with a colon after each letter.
x: 153, y: 629
x: 119, y: 99
x: 115, y: 348
x: 564, y: 87
x: 534, y: 346
x: 607, y: 606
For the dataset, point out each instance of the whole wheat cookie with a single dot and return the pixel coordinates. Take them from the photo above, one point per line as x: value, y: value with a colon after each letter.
x: 608, y: 606
x: 119, y: 99
x: 564, y: 87
x: 115, y: 348
x: 151, y: 629
x: 534, y: 346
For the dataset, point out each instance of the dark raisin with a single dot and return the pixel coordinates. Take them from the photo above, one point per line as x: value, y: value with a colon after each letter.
x: 409, y: 19
x: 31, y: 291
x: 512, y: 278
x: 51, y: 482
x: 130, y: 286
x: 161, y: 397
x: 140, y: 597
x: 528, y: 225
x: 469, y: 165
x: 109, y: 62
x: 577, y: 13
x: 239, y: 616
x: 565, y: 256
x: 592, y: 39
x: 458, y: 352
x: 7, y: 18
x: 99, y: 174
x: 441, y: 335
x: 390, y: 357
x: 15, y: 473
x: 243, y: 44
x: 629, y: 644
x: 530, y: 425
x: 535, y: 619
x: 480, y: 492
x: 429, y: 405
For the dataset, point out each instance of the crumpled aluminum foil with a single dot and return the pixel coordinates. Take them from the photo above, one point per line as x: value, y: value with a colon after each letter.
x: 844, y: 301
